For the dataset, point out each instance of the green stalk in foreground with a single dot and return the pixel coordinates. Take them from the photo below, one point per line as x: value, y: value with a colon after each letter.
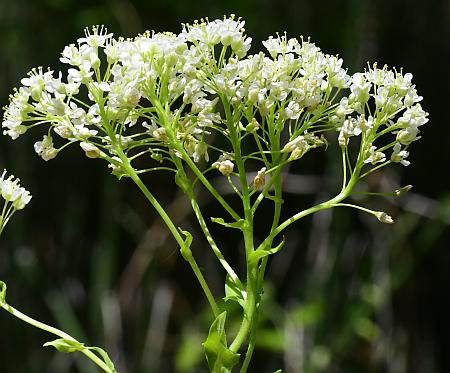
x: 66, y: 343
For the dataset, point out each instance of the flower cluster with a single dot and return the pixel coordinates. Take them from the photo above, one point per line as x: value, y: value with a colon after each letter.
x: 182, y: 89
x: 381, y: 101
x: 15, y: 197
x: 13, y: 193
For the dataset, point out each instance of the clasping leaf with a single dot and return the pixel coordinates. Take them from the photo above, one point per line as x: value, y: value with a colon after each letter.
x: 66, y: 345
x: 234, y: 291
x: 240, y: 224
x: 220, y: 358
x: 262, y: 252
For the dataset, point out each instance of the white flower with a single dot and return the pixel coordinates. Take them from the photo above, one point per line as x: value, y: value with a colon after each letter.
x: 90, y: 149
x: 160, y: 134
x: 200, y: 150
x: 373, y: 156
x: 360, y: 88
x: 83, y: 74
x: 280, y: 45
x: 224, y: 164
x: 98, y: 38
x: 37, y: 82
x: 414, y: 116
x: 12, y: 192
x: 344, y: 108
x: 45, y: 148
x: 225, y: 167
x: 408, y: 135
x: 229, y: 32
x: 399, y: 155
x: 297, y: 147
x: 350, y: 127
x: 364, y: 124
x: 293, y: 110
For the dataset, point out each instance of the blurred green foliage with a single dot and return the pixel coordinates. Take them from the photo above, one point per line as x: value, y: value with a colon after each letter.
x: 344, y: 295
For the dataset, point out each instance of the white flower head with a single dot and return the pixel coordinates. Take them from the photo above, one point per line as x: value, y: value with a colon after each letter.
x: 11, y: 191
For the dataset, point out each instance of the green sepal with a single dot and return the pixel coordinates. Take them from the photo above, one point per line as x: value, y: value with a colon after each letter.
x: 240, y: 224
x: 66, y: 345
x: 3, y: 288
x: 185, y: 249
x: 234, y: 291
x: 220, y: 358
x: 260, y: 253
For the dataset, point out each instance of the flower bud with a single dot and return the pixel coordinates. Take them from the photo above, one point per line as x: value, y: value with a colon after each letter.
x: 90, y: 150
x: 252, y: 126
x: 403, y: 190
x: 49, y: 154
x: 260, y: 179
x: 225, y: 167
x: 160, y: 134
x: 383, y: 217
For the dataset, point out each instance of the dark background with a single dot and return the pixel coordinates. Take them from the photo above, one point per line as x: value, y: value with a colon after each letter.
x: 347, y: 294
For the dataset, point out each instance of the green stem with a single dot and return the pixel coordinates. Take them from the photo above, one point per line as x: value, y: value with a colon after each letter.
x: 249, y: 353
x: 165, y: 117
x: 176, y: 234
x: 57, y: 332
x: 210, y: 239
x: 203, y: 284
x: 251, y: 303
x: 208, y: 185
x: 345, y: 192
x: 249, y: 309
x: 276, y: 179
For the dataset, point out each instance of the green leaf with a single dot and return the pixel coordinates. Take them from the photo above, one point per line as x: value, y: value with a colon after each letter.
x: 240, y: 224
x: 66, y: 345
x: 220, y: 358
x: 234, y: 291
x: 105, y: 357
x: 185, y: 249
x: 2, y: 293
x: 278, y: 371
x: 261, y: 253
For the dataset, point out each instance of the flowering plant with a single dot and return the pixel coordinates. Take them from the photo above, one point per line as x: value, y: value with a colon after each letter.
x: 196, y: 103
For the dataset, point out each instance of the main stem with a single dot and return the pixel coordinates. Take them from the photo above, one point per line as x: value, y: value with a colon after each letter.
x: 250, y: 305
x: 262, y: 268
